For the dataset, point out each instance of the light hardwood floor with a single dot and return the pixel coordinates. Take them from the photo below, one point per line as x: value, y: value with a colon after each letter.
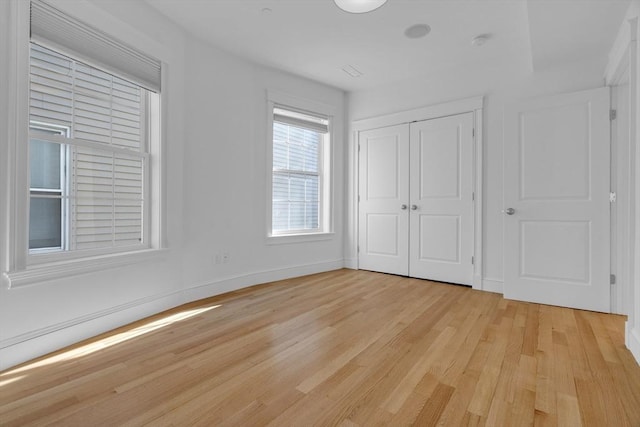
x: 345, y: 348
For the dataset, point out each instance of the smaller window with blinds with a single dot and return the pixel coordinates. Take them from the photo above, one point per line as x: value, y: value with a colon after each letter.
x: 299, y: 173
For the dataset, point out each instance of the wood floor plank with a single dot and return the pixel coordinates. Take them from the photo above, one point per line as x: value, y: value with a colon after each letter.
x: 569, y: 411
x: 344, y: 348
x: 437, y: 402
x: 483, y: 397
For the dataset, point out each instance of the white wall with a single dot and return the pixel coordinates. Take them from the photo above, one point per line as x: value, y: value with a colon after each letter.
x: 501, y: 84
x: 215, y: 131
x: 226, y: 177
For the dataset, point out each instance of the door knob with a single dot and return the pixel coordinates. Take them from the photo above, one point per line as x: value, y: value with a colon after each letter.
x: 414, y: 207
x: 509, y: 211
x: 403, y: 207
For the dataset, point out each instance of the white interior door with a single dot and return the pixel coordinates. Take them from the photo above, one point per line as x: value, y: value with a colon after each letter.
x: 441, y: 202
x: 556, y: 200
x: 384, y: 197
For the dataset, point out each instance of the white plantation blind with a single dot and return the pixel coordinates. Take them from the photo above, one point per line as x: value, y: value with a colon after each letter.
x: 94, y: 105
x: 105, y: 118
x: 55, y: 29
x: 107, y: 207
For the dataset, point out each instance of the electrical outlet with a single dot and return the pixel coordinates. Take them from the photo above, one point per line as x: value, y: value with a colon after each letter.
x: 225, y: 257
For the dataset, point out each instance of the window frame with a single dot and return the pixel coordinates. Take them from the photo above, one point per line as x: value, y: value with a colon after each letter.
x: 49, y: 256
x: 276, y: 99
x: 16, y: 270
x: 318, y: 174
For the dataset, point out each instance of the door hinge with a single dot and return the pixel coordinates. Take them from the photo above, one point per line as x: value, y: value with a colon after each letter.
x: 612, y: 197
x: 473, y: 260
x: 612, y: 279
x: 358, y: 248
x: 473, y: 197
x: 358, y: 148
x: 613, y: 114
x: 473, y: 132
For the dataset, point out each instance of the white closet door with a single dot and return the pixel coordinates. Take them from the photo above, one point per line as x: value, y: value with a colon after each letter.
x: 556, y: 196
x: 441, y: 199
x: 384, y: 199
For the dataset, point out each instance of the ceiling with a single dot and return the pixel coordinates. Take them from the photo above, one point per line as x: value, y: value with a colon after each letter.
x: 315, y: 39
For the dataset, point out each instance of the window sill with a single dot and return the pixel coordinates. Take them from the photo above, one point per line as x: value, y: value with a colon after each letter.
x: 281, y: 239
x: 63, y: 269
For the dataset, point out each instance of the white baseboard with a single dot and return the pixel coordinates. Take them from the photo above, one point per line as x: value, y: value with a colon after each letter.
x: 633, y: 341
x: 493, y: 285
x: 626, y: 333
x: 351, y: 263
x: 30, y: 345
x: 233, y: 283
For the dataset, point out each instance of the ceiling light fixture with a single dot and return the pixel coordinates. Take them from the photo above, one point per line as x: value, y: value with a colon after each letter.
x: 481, y: 39
x: 359, y: 6
x: 417, y: 31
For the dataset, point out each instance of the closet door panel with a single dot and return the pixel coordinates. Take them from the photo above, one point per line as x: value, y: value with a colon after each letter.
x: 383, y: 223
x: 441, y: 203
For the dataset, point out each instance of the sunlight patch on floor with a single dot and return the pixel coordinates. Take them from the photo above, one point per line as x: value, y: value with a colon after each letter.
x: 109, y: 341
x: 11, y: 380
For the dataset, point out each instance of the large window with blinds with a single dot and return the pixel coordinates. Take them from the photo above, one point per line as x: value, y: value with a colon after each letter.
x: 300, y: 143
x: 90, y: 123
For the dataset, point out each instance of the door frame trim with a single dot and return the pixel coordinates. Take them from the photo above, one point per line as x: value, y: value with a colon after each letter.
x: 468, y: 105
x: 624, y: 54
x: 428, y: 112
x: 622, y: 232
